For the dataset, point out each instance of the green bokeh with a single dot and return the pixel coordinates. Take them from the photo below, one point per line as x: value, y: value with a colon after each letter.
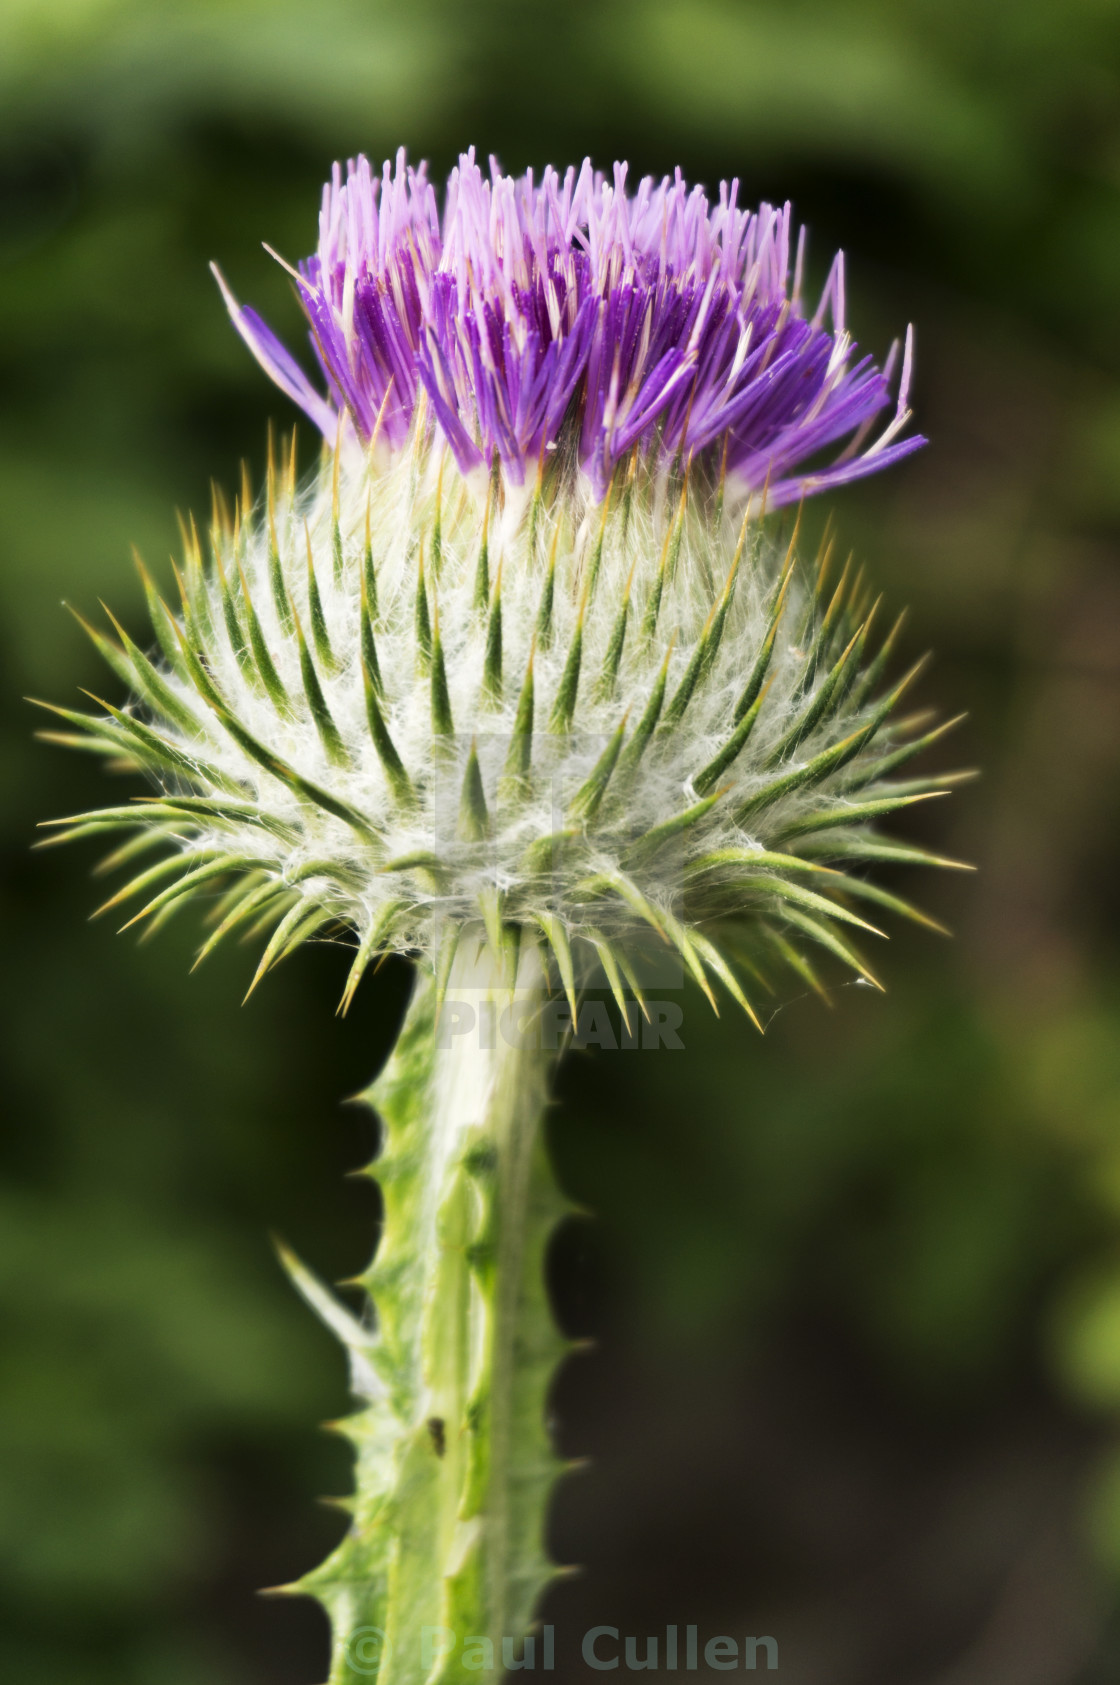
x: 931, y: 1181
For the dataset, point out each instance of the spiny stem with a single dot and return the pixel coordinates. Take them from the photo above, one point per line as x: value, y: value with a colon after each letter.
x: 454, y: 1464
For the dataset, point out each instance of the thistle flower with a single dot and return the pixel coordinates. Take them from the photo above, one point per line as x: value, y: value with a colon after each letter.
x: 567, y: 316
x: 537, y: 595
x: 521, y: 682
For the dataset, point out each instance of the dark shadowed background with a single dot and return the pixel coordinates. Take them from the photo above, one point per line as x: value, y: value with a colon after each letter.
x: 855, y: 1287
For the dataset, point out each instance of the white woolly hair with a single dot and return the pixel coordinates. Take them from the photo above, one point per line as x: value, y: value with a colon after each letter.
x: 404, y: 702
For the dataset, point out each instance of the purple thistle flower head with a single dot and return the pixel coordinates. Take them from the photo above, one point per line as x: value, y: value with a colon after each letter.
x: 567, y: 316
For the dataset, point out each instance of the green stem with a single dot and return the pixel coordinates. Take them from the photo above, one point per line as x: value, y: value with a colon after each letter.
x: 454, y: 1464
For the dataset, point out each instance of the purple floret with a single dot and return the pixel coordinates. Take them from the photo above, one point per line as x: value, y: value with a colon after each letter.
x: 566, y: 313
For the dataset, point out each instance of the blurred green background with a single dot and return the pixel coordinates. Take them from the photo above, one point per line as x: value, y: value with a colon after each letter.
x: 856, y: 1287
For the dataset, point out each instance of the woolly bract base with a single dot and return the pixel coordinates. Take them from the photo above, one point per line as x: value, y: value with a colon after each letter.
x: 400, y: 703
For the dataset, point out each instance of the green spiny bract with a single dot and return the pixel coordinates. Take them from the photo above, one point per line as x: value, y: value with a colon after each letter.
x: 405, y: 704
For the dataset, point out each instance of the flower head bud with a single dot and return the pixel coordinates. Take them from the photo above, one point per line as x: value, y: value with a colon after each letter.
x: 524, y: 656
